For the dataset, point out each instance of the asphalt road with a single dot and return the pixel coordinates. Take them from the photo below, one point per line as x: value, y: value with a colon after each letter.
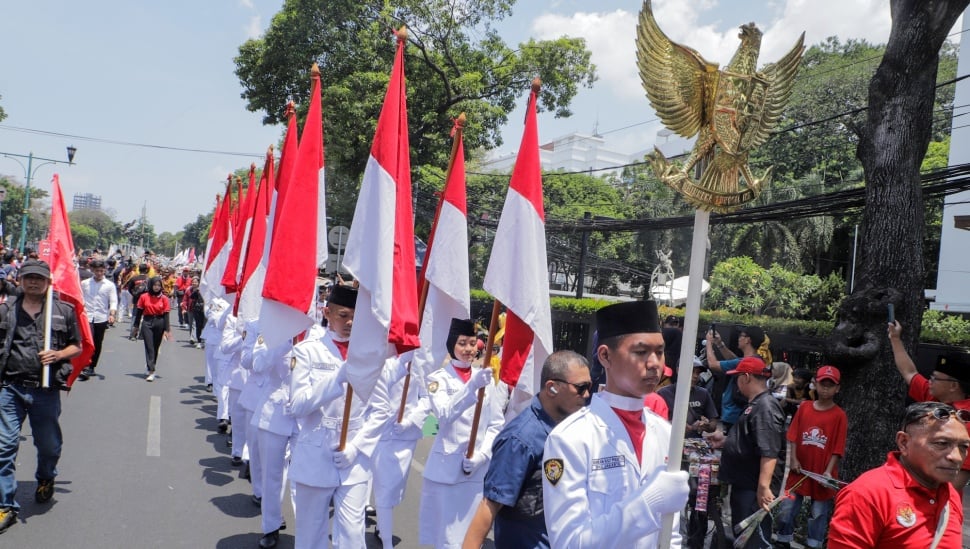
x: 144, y: 466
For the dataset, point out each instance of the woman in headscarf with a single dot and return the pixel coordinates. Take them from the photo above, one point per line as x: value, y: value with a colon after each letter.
x: 781, y: 378
x: 154, y: 307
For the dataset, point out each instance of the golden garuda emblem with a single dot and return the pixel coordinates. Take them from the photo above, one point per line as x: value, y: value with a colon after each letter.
x: 731, y: 111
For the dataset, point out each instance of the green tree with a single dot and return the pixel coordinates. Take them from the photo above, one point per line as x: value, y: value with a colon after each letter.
x: 2, y: 114
x: 196, y: 233
x: 85, y: 237
x: 12, y: 213
x: 108, y: 230
x: 456, y: 62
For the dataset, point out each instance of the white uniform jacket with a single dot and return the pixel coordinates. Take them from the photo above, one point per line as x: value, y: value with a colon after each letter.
x: 317, y: 395
x: 231, y: 346
x: 385, y: 402
x: 592, y: 481
x: 273, y: 365
x: 454, y: 405
x: 251, y: 393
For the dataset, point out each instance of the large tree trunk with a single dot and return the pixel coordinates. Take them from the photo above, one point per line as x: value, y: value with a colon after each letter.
x: 891, y: 150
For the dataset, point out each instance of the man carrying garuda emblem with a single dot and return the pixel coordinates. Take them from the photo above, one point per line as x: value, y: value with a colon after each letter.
x: 731, y: 111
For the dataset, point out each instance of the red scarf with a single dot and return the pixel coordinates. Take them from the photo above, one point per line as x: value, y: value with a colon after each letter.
x: 464, y: 373
x: 342, y: 347
x: 633, y: 421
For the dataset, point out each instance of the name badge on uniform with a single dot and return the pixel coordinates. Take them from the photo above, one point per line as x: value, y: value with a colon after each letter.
x: 612, y: 462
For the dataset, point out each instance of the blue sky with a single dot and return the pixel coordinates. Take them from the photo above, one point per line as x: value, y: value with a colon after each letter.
x: 161, y: 73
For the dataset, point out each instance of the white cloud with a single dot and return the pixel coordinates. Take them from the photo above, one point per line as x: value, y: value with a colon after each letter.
x: 255, y: 27
x: 247, y: 4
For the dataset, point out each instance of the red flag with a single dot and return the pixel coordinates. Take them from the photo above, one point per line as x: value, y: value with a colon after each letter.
x: 380, y: 247
x: 249, y: 297
x: 517, y: 270
x: 191, y: 259
x: 299, y: 243
x: 64, y: 277
x: 240, y: 233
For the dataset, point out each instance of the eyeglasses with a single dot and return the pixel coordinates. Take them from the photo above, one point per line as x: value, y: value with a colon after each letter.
x: 935, y: 377
x: 942, y: 414
x: 581, y: 388
x: 937, y: 410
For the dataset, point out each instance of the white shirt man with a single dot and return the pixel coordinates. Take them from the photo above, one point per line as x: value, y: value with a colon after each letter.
x: 100, y: 304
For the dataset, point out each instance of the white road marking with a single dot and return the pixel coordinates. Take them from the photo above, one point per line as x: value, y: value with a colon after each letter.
x: 154, y: 447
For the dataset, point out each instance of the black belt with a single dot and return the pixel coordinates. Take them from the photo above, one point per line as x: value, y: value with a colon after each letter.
x: 26, y: 383
x: 150, y: 317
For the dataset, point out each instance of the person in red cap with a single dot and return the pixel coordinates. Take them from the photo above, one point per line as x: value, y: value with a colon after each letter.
x: 816, y: 443
x: 950, y: 383
x: 752, y: 447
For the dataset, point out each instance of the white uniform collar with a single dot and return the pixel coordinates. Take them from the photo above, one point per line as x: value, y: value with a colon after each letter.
x: 631, y: 404
x: 335, y: 337
x: 455, y: 363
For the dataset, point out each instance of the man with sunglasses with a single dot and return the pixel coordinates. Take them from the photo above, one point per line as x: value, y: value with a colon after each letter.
x: 909, y: 501
x: 605, y: 482
x: 950, y: 384
x: 513, y: 483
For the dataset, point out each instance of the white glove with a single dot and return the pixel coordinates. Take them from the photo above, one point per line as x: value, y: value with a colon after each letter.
x: 470, y: 465
x: 399, y: 428
x: 666, y: 492
x: 345, y: 458
x: 480, y: 378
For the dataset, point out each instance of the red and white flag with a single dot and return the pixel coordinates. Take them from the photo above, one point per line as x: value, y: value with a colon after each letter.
x: 191, y: 258
x: 517, y: 273
x: 445, y: 268
x: 380, y: 246
x: 240, y: 234
x: 64, y: 277
x: 299, y: 243
x: 250, y: 295
x: 217, y: 253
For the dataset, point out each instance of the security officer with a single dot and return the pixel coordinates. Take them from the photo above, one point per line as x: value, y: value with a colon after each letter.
x: 22, y: 360
x: 319, y: 471
x: 605, y: 482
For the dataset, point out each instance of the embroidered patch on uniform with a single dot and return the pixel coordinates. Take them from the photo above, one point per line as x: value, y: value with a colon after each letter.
x: 433, y: 387
x: 905, y: 515
x: 553, y: 469
x: 260, y: 339
x: 611, y: 462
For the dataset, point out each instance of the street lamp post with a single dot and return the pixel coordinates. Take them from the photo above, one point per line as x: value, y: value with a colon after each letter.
x: 29, y: 171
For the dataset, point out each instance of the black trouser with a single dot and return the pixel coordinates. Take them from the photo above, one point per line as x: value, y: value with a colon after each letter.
x: 200, y: 320
x: 135, y: 319
x: 97, y: 332
x: 152, y: 330
x: 183, y: 315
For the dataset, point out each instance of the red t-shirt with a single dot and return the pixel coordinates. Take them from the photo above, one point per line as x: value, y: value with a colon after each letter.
x: 886, y: 508
x: 919, y: 390
x: 152, y: 306
x: 817, y: 436
x: 657, y: 405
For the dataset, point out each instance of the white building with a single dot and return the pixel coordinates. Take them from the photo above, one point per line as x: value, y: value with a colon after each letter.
x: 578, y: 152
x: 953, y: 278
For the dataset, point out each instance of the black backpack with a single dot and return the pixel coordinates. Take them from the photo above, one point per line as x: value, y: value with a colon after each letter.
x: 138, y: 287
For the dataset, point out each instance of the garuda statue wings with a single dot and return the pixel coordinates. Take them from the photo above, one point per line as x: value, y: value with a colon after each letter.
x: 730, y: 110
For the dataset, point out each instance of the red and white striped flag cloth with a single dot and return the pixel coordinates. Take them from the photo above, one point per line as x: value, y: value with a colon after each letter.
x: 299, y: 244
x: 518, y: 274
x: 445, y: 268
x: 249, y: 298
x: 217, y: 250
x: 380, y: 246
x: 240, y: 232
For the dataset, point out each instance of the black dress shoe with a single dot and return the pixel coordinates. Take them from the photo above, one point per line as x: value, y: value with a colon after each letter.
x: 370, y: 511
x: 236, y: 461
x: 270, y: 539
x: 258, y: 501
x: 223, y: 425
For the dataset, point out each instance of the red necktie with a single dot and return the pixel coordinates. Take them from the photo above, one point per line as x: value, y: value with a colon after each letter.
x: 633, y: 421
x: 342, y: 347
x: 464, y: 373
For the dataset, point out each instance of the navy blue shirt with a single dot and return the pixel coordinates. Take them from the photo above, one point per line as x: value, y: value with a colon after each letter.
x: 514, y: 479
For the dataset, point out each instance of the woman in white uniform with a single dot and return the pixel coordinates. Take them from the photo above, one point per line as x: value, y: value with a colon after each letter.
x: 453, y: 483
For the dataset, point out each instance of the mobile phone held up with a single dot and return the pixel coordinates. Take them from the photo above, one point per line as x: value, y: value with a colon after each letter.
x: 891, y: 313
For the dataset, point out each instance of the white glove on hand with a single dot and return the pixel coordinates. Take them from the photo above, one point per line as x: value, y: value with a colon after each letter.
x: 480, y: 378
x: 345, y: 458
x: 470, y: 465
x: 666, y: 492
x: 399, y: 428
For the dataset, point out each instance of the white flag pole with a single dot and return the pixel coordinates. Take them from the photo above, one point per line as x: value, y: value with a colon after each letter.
x: 45, y: 369
x: 698, y: 253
